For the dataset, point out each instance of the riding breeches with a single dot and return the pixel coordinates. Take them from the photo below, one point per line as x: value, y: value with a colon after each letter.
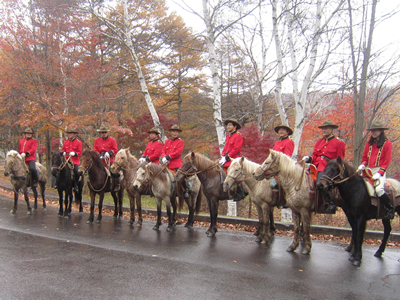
x: 380, y: 188
x: 76, y: 173
x: 33, y: 170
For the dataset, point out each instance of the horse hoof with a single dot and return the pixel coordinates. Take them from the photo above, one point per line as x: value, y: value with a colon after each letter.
x: 378, y: 254
x: 306, y: 251
x: 98, y: 221
x: 44, y: 209
x: 66, y: 217
x: 29, y: 213
x: 258, y: 240
x: 155, y: 228
x: 356, y: 263
x: 60, y: 216
x: 348, y: 248
x: 189, y: 227
x: 168, y: 229
x: 89, y: 222
x: 210, y: 234
x: 290, y: 249
x: 114, y: 217
x: 138, y: 224
x: 12, y: 212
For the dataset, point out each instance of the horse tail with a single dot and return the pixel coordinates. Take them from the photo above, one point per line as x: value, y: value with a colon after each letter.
x: 198, y: 200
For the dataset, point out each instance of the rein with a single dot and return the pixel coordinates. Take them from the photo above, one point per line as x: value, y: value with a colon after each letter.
x: 147, y: 180
x: 87, y: 170
x: 298, y: 185
x: 196, y: 171
x: 340, y: 175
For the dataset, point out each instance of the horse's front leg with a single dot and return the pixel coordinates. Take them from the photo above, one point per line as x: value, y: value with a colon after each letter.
x: 131, y: 197
x: 100, y: 215
x: 61, y: 203
x: 138, y: 198
x: 115, y: 197
x: 213, y: 205
x: 170, y: 216
x: 26, y: 196
x: 68, y: 202
x: 42, y: 191
x: 359, y: 238
x: 296, y: 229
x: 158, y: 224
x: 35, y: 195
x: 387, y: 228
x: 306, y: 221
x: 92, y: 202
x: 14, y: 210
x: 120, y: 201
x: 191, y: 205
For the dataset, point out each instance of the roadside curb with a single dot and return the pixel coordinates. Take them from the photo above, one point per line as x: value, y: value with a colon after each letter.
x: 315, y: 229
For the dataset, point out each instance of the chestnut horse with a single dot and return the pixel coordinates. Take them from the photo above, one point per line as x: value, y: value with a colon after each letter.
x: 100, y: 183
x: 356, y: 204
x: 294, y: 182
x: 163, y: 187
x: 210, y: 176
x: 16, y: 167
x: 62, y: 172
x: 128, y: 164
x: 260, y: 192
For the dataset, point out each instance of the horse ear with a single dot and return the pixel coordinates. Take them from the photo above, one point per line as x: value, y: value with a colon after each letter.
x: 192, y: 155
x: 241, y: 160
x: 339, y: 160
x: 127, y: 151
x: 268, y: 152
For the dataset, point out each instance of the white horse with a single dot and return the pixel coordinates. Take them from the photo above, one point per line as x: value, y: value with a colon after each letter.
x: 293, y: 180
x: 260, y: 192
x: 16, y: 167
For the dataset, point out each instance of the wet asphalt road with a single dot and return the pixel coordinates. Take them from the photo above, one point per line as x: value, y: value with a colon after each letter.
x: 44, y: 257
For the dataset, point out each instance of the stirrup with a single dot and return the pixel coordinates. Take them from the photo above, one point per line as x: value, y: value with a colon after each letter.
x: 389, y: 214
x: 186, y: 194
x: 331, y: 208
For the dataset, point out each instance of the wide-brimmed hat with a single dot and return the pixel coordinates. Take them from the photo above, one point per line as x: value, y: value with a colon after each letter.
x: 103, y: 128
x: 175, y: 127
x: 233, y: 121
x: 377, y: 125
x: 290, y: 131
x: 154, y: 130
x: 27, y: 130
x: 72, y: 130
x: 328, y: 123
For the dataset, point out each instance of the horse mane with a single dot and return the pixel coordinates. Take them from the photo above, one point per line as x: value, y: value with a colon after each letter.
x: 95, y: 157
x: 349, y: 167
x: 287, y: 165
x: 248, y: 166
x: 13, y: 153
x: 203, y: 163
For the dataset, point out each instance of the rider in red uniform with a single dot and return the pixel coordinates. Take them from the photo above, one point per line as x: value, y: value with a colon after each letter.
x: 232, y: 148
x: 328, y: 147
x: 153, y: 149
x: 27, y: 148
x: 72, y: 147
x: 284, y: 144
x: 377, y: 155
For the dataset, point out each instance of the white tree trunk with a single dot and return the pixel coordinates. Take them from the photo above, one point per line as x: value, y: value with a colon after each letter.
x: 217, y: 104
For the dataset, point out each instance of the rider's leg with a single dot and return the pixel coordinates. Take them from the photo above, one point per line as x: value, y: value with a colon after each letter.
x: 331, y: 204
x: 76, y: 177
x: 34, y: 173
x: 384, y: 198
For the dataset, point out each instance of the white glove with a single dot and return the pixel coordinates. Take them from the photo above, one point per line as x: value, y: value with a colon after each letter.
x: 72, y: 153
x: 222, y: 160
x: 64, y: 153
x: 376, y: 176
x: 305, y: 158
x: 164, y: 160
x: 23, y: 155
x: 142, y: 159
x: 360, y: 168
x: 107, y: 155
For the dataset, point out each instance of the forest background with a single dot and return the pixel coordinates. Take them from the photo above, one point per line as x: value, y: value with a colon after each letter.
x: 133, y: 65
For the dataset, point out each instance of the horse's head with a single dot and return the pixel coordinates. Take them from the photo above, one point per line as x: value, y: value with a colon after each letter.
x: 121, y: 161
x: 270, y: 166
x: 13, y: 162
x: 56, y: 162
x: 88, y: 159
x: 188, y: 167
x: 235, y: 174
x: 142, y: 176
x: 334, y: 171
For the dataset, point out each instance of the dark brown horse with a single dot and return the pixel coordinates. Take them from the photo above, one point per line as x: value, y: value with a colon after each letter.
x: 356, y: 204
x: 16, y: 167
x: 128, y: 164
x: 100, y: 183
x: 211, y: 179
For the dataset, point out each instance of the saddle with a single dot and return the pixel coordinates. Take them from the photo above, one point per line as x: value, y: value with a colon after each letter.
x: 278, y: 193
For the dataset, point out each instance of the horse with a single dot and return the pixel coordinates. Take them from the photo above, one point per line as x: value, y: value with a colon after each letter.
x: 163, y: 188
x: 356, y: 204
x: 260, y: 192
x: 15, y: 165
x: 99, y: 182
x: 292, y: 178
x: 210, y: 176
x: 128, y: 164
x: 62, y: 171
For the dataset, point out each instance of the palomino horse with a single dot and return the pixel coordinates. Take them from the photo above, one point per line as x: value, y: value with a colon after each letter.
x: 62, y: 171
x: 15, y: 166
x: 260, y: 193
x: 293, y: 180
x: 356, y: 203
x: 128, y: 164
x: 210, y: 177
x: 100, y: 183
x: 163, y: 187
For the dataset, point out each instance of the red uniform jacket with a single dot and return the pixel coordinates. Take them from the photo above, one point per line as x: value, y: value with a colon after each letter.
x: 284, y: 145
x: 377, y: 157
x: 153, y: 151
x: 233, y: 146
x: 73, y: 146
x: 30, y: 146
x: 174, y: 149
x: 104, y: 145
x: 331, y: 148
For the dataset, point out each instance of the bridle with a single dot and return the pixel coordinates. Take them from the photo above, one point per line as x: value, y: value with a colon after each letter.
x: 146, y: 181
x: 60, y: 167
x: 195, y: 169
x: 333, y: 181
x: 87, y: 170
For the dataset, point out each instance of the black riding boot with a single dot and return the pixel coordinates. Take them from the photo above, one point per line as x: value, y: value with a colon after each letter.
x: 76, y: 178
x: 389, y: 214
x: 34, y: 173
x: 240, y: 194
x: 185, y: 190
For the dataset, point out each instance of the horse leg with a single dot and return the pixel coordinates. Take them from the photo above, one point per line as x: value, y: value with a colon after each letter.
x: 68, y: 202
x: 306, y: 221
x: 42, y: 190
x: 359, y: 238
x: 213, y: 204
x: 296, y: 229
x: 132, y: 207
x: 272, y: 227
x: 92, y: 202
x: 387, y: 228
x: 260, y: 230
x: 26, y: 196
x: 158, y: 224
x: 78, y: 197
x: 170, y: 216
x: 120, y: 200
x: 35, y: 195
x: 139, y: 209
x: 350, y: 247
x: 114, y: 195
x: 100, y: 215
x: 60, y: 202
x: 192, y: 207
x: 14, y: 210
